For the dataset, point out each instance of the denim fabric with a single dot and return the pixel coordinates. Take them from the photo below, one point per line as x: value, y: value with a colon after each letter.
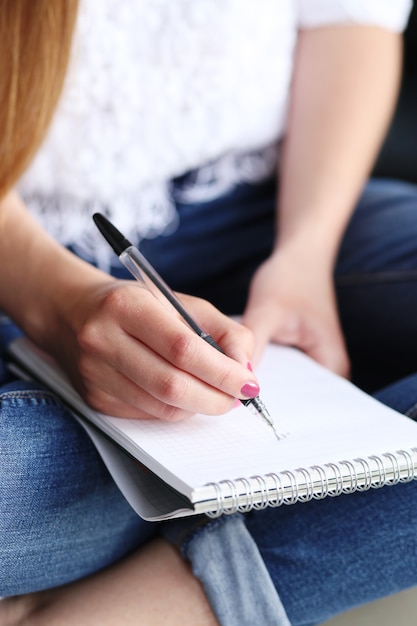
x: 376, y: 279
x: 225, y: 558
x: 61, y: 516
x: 375, y: 275
x: 328, y: 556
x: 325, y: 557
x: 239, y: 587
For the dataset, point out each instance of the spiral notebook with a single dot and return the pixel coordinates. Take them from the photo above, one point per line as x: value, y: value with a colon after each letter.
x: 336, y: 439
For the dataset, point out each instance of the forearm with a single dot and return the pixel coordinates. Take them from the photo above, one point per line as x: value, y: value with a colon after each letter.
x: 123, y: 350
x: 38, y: 276
x: 343, y: 94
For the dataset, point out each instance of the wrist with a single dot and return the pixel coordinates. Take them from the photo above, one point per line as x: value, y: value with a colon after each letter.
x: 310, y: 246
x: 60, y: 300
x: 44, y: 283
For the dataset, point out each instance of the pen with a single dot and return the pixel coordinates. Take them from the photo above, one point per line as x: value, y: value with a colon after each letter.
x: 142, y: 270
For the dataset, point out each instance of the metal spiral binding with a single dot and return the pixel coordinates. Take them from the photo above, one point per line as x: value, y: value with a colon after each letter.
x: 410, y: 464
x: 395, y: 468
x: 367, y: 473
x: 323, y: 481
x: 295, y: 488
x: 338, y: 489
x: 264, y: 493
x: 308, y: 478
x: 316, y: 482
x: 277, y: 497
x: 353, y: 486
x: 382, y: 474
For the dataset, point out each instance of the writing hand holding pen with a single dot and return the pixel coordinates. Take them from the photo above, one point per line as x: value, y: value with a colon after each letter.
x: 129, y: 356
x: 140, y: 361
x: 141, y: 269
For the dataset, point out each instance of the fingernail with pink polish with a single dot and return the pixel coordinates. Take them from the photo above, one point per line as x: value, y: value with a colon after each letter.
x: 250, y: 390
x: 236, y: 403
x: 249, y: 366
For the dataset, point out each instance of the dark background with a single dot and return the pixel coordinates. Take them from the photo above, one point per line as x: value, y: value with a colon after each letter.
x: 398, y: 157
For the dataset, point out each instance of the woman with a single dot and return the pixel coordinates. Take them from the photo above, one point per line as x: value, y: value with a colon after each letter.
x: 173, y: 132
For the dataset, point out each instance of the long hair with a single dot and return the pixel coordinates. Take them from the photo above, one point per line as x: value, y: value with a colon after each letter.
x: 35, y: 45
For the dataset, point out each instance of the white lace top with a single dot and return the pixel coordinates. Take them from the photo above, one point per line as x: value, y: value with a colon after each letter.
x: 158, y: 87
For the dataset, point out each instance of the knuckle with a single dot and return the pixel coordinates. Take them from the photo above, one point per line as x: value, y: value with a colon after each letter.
x: 173, y: 389
x: 123, y: 300
x: 115, y: 300
x: 88, y: 337
x: 181, y: 350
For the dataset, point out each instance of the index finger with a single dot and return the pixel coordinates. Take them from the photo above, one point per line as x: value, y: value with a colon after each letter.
x: 176, y: 343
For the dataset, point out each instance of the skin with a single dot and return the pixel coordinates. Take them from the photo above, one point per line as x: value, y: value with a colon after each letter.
x: 153, y: 587
x: 343, y: 92
x: 125, y: 353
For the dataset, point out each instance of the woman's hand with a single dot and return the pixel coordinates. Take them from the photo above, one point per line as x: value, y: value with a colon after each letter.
x: 125, y: 352
x: 339, y: 109
x: 292, y: 302
x: 132, y: 357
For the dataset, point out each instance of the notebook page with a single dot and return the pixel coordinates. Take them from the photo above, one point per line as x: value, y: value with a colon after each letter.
x: 327, y: 418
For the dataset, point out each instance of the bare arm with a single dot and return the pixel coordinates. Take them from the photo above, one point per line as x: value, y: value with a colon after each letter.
x: 344, y: 90
x: 126, y: 354
x: 343, y: 93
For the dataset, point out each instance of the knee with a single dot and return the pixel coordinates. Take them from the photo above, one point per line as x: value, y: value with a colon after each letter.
x: 61, y: 515
x: 43, y: 454
x: 39, y: 446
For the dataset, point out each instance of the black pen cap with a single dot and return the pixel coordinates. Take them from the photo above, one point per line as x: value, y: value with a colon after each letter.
x: 114, y: 237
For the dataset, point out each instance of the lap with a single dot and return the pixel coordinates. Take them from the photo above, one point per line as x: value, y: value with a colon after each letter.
x: 325, y: 557
x: 61, y: 515
x: 328, y: 556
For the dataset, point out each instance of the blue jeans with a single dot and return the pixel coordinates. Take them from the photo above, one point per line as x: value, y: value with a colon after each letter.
x: 61, y: 516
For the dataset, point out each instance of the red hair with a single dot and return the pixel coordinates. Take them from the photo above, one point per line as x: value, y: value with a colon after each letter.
x: 35, y: 45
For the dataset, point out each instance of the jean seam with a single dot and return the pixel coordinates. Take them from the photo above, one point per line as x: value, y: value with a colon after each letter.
x: 376, y: 277
x: 32, y: 394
